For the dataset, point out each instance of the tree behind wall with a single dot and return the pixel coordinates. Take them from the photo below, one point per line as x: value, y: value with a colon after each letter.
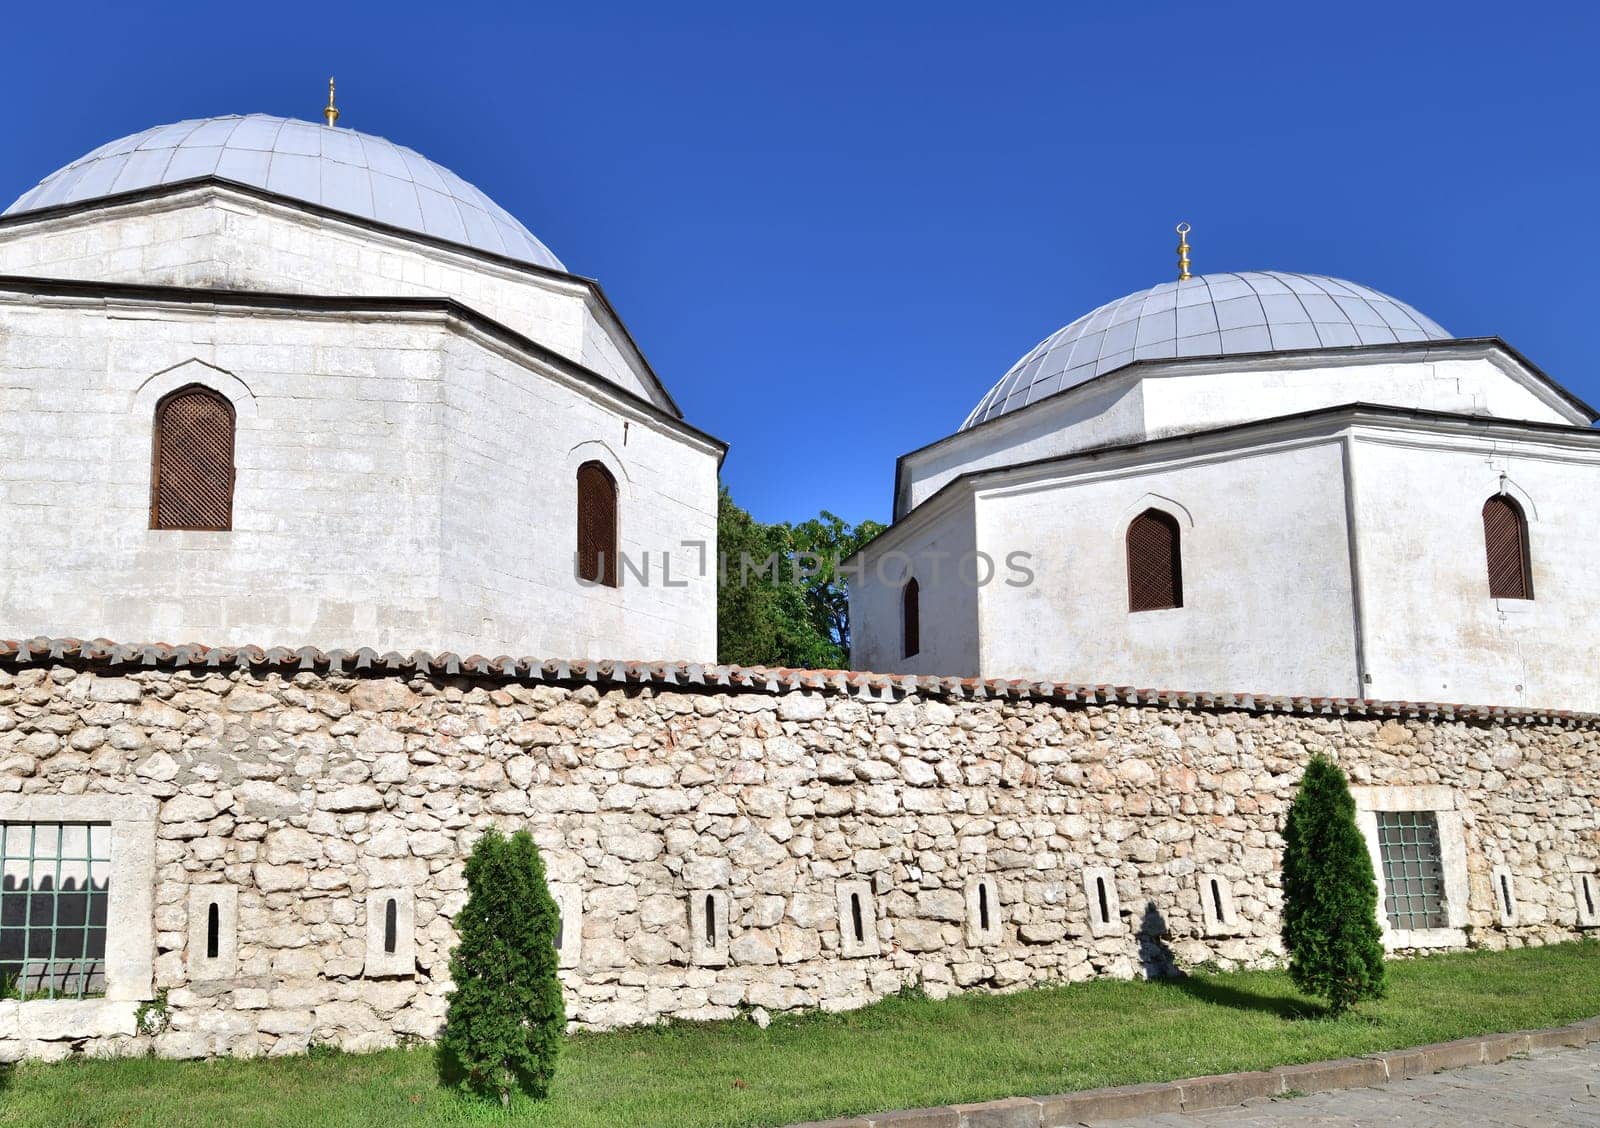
x: 798, y: 617
x: 506, y: 1015
x: 1330, y: 895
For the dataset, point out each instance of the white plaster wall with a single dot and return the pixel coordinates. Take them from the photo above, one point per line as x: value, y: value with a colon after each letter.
x: 1266, y: 575
x: 1156, y: 401
x: 355, y: 515
x: 510, y: 518
x: 1183, y: 402
x: 948, y: 604
x: 214, y: 237
x: 1109, y: 412
x: 1434, y: 633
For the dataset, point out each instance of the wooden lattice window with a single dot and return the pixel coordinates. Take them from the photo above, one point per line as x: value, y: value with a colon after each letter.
x: 597, y: 525
x: 1505, y: 543
x: 910, y: 618
x: 1155, y: 562
x: 192, y: 480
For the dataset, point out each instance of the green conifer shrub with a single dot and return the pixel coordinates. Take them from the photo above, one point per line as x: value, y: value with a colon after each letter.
x: 506, y: 1017
x: 1330, y: 896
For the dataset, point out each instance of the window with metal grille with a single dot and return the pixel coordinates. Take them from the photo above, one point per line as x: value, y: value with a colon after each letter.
x: 1505, y: 543
x: 597, y: 525
x: 910, y: 618
x: 192, y: 482
x: 1155, y: 563
x: 54, y: 893
x: 1413, y: 869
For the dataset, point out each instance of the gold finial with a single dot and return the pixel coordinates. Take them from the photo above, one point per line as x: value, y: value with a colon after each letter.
x: 332, y: 112
x: 1183, y: 230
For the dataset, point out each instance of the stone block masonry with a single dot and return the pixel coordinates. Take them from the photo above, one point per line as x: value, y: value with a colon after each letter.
x: 718, y: 840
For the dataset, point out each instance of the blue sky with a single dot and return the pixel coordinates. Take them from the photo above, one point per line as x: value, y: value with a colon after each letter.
x: 833, y: 226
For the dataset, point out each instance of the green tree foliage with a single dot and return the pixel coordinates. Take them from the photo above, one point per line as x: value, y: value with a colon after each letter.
x: 780, y: 601
x: 1330, y: 896
x: 506, y: 1016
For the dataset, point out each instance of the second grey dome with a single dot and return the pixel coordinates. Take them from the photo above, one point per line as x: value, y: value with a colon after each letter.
x: 1207, y: 315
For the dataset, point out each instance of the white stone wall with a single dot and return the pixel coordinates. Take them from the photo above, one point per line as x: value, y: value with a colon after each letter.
x: 216, y: 237
x: 301, y: 806
x: 402, y: 481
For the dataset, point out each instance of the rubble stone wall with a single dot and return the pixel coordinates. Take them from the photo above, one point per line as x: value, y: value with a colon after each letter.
x: 969, y: 832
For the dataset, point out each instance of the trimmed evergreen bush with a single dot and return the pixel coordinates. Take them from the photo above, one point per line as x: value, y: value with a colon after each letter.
x: 506, y: 1016
x: 1330, y: 896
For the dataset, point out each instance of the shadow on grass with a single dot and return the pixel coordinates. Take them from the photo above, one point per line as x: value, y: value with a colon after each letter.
x: 1161, y: 966
x: 7, y: 1071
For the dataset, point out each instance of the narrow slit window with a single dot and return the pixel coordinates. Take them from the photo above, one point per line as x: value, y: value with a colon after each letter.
x: 855, y: 917
x: 711, y: 921
x: 1588, y: 893
x: 1505, y: 893
x: 561, y: 930
x: 983, y: 906
x: 597, y: 525
x: 213, y: 930
x: 1505, y: 544
x: 911, y: 618
x: 1216, y: 901
x: 391, y: 926
x: 1105, y: 907
x: 1155, y: 562
x: 191, y: 484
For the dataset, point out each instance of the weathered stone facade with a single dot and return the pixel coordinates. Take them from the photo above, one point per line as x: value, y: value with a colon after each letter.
x: 969, y: 828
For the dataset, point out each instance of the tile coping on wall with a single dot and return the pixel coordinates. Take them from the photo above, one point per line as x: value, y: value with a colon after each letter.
x: 759, y: 679
x: 1224, y: 1090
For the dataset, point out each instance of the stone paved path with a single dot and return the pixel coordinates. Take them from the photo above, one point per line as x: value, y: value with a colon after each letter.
x: 1555, y: 1089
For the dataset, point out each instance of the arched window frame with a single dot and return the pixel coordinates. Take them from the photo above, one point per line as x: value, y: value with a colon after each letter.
x: 910, y: 618
x: 1155, y: 579
x: 165, y: 450
x: 597, y: 524
x: 1505, y: 548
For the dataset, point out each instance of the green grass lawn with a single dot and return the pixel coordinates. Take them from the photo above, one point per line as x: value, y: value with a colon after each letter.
x: 903, y: 1052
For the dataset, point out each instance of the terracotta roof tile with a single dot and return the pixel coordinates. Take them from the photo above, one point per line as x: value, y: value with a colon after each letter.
x: 366, y: 661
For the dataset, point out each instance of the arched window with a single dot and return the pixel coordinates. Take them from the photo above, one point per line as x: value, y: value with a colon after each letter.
x: 1155, y: 562
x: 192, y: 482
x: 1505, y: 543
x: 597, y: 525
x: 910, y: 618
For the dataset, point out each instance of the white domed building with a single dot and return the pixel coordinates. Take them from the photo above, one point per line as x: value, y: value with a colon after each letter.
x: 1255, y: 482
x: 276, y: 382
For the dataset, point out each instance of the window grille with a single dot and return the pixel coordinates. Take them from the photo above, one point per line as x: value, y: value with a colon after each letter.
x: 1505, y: 544
x: 1155, y: 563
x: 1413, y: 869
x: 192, y: 484
x: 54, y: 894
x: 911, y: 618
x: 597, y: 525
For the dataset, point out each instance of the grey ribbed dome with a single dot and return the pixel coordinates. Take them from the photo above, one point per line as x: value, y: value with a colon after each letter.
x: 341, y: 169
x: 1207, y: 315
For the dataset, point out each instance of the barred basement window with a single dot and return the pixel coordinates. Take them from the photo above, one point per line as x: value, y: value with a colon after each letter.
x: 1505, y: 544
x: 1413, y: 869
x: 910, y: 618
x: 597, y: 525
x: 1155, y: 562
x: 191, y: 483
x: 53, y: 905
